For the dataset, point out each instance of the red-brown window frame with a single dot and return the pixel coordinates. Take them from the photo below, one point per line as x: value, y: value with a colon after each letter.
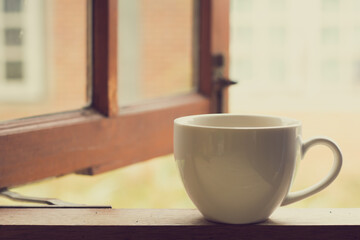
x: 103, y: 137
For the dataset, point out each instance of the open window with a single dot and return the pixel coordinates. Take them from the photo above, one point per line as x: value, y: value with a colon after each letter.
x: 109, y: 132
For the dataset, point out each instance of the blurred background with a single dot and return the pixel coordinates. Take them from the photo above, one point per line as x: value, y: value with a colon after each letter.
x: 293, y: 58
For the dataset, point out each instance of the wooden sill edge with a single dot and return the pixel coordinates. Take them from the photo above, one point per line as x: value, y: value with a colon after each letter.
x: 170, y: 217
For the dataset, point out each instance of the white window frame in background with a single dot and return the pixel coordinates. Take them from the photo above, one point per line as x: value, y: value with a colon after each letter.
x: 32, y: 88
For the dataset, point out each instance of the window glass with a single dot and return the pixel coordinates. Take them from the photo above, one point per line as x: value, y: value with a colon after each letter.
x: 307, y: 68
x: 43, y: 57
x: 156, y: 49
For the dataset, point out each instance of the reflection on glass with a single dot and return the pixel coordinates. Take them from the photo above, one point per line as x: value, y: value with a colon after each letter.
x: 308, y: 68
x: 155, y: 49
x: 43, y: 57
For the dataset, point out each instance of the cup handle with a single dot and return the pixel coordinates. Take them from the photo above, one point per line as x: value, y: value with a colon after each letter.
x: 299, y: 195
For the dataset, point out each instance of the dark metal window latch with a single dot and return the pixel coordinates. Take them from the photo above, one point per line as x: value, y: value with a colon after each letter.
x: 219, y: 81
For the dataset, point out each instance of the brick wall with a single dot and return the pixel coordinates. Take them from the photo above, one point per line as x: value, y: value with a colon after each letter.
x: 166, y: 47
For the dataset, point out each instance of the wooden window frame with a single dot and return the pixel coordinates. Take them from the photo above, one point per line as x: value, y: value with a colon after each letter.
x: 103, y: 137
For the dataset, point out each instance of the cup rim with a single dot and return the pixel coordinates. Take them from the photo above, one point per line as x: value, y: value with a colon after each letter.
x: 287, y: 122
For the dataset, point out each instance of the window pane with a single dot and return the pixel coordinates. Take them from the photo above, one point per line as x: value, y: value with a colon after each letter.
x: 43, y: 57
x: 155, y: 49
x: 304, y: 60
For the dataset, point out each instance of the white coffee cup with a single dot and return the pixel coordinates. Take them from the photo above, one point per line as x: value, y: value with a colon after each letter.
x: 238, y: 169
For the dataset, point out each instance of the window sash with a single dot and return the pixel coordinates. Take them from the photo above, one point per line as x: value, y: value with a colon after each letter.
x: 104, y: 137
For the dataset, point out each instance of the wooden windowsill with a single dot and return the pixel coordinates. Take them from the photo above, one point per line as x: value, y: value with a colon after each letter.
x: 285, y: 223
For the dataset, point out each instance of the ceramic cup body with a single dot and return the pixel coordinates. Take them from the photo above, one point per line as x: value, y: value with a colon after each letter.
x: 237, y: 169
